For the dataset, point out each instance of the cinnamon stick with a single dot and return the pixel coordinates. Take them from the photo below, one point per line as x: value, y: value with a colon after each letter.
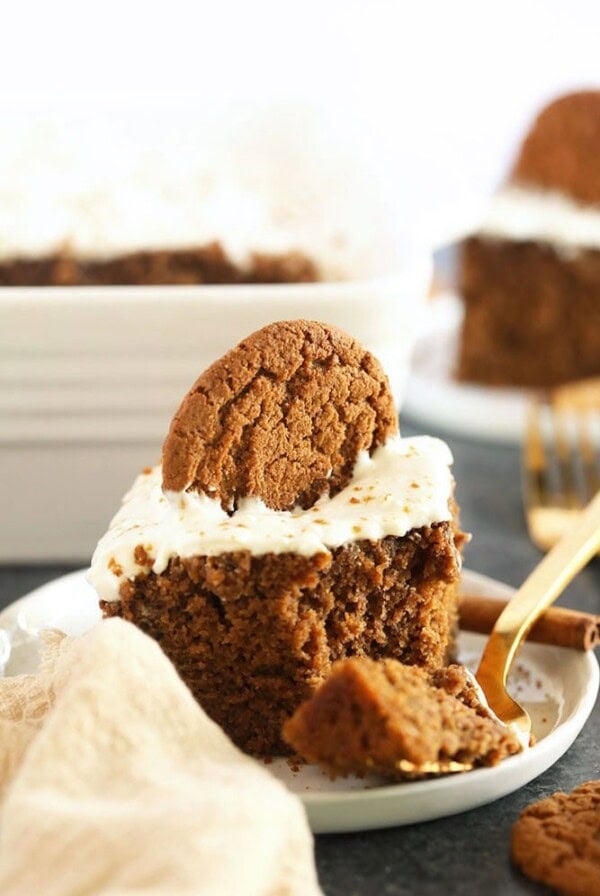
x: 558, y: 627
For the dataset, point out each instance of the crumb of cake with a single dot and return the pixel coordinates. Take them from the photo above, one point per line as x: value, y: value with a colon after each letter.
x: 294, y: 763
x: 371, y: 715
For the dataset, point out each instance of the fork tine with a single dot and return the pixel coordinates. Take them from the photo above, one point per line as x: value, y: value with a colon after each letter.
x: 561, y: 457
x: 567, y: 495
x: 536, y: 477
x: 591, y: 477
x: 536, y: 463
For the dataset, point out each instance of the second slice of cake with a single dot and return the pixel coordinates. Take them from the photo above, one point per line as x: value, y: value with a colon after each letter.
x: 530, y: 275
x: 289, y: 526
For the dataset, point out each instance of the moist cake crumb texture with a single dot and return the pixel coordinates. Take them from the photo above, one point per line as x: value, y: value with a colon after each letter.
x: 254, y: 636
x: 371, y: 714
x: 532, y: 316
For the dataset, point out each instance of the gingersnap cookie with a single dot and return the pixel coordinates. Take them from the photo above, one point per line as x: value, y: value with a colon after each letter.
x: 281, y: 417
x: 562, y: 148
x: 557, y: 841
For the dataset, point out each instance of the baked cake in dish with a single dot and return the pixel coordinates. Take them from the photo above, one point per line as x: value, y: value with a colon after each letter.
x: 382, y: 717
x: 530, y: 277
x: 91, y: 207
x: 68, y: 222
x: 207, y: 264
x: 288, y: 526
x: 243, y: 198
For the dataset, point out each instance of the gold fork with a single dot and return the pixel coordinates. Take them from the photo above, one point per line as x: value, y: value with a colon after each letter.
x: 561, y: 456
x: 541, y: 588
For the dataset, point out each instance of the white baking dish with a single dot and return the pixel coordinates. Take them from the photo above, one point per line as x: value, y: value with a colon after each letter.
x: 89, y: 378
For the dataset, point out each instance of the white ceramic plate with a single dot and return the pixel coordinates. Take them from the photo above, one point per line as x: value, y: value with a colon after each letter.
x: 557, y: 686
x: 435, y: 398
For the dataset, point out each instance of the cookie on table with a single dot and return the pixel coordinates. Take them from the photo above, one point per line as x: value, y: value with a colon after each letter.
x: 557, y: 841
x: 281, y: 417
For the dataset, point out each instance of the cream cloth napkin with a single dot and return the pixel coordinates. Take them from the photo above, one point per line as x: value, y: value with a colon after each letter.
x: 116, y: 782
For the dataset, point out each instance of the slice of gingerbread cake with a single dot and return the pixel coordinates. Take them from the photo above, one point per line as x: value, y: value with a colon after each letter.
x: 288, y: 526
x: 530, y: 276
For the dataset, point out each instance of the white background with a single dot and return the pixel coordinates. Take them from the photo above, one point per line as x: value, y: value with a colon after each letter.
x: 437, y: 93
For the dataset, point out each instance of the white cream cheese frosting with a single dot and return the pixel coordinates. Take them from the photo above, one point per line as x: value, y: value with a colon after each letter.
x: 96, y: 224
x: 266, y: 182
x: 100, y: 194
x: 405, y: 484
x: 100, y: 224
x: 519, y: 213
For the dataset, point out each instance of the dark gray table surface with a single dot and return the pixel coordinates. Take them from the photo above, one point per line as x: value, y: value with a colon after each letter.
x: 465, y: 854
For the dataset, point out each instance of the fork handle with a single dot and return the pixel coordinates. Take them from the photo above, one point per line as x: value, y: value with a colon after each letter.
x: 541, y: 588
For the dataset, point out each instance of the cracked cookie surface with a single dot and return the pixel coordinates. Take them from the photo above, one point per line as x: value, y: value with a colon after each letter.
x: 557, y: 841
x: 281, y: 417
